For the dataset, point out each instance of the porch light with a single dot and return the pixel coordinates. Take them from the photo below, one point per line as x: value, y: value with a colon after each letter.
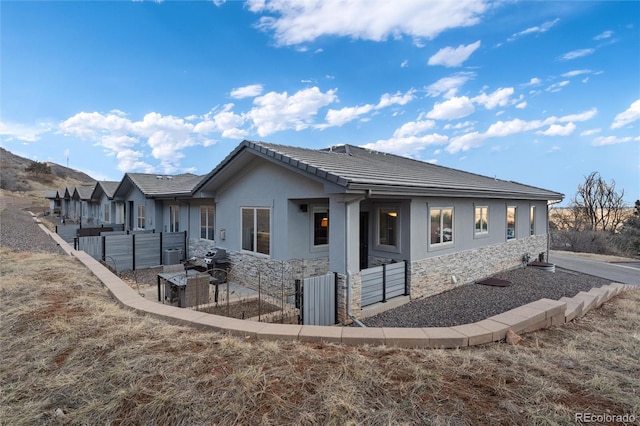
x: 393, y: 214
x: 324, y: 222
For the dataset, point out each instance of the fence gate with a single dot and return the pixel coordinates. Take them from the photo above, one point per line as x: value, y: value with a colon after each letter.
x: 317, y: 300
x: 382, y: 283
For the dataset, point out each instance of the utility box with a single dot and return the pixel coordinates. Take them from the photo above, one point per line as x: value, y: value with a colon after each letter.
x: 172, y: 256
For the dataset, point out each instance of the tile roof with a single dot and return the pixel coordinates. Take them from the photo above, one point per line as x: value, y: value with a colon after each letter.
x: 162, y: 185
x: 356, y: 168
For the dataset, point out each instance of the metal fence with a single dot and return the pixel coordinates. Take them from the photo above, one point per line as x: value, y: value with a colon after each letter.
x: 318, y: 303
x: 383, y: 282
x: 131, y: 251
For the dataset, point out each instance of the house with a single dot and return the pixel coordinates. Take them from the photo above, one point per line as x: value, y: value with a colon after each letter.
x: 83, y: 210
x: 107, y: 210
x: 347, y: 209
x: 156, y: 202
x: 55, y: 200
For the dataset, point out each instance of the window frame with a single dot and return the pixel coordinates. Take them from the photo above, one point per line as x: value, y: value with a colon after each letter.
x: 480, y: 232
x: 532, y: 220
x: 174, y: 218
x: 515, y: 223
x: 141, y: 217
x: 442, y: 242
x: 316, y: 210
x: 254, y: 237
x: 208, y: 228
x: 106, y: 213
x: 388, y: 209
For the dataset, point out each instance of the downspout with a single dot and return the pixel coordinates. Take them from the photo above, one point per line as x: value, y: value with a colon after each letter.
x: 548, y: 228
x: 346, y: 258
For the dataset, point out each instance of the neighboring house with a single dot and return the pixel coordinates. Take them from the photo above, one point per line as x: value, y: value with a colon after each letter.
x: 55, y: 201
x: 107, y: 210
x: 346, y: 209
x: 84, y: 210
x: 156, y: 202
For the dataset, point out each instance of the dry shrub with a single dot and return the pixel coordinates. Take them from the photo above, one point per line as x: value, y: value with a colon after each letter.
x: 67, y: 345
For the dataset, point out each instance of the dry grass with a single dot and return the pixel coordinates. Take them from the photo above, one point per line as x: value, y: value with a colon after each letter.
x: 68, y: 346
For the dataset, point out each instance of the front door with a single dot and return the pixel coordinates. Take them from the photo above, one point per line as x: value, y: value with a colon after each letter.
x: 364, y: 240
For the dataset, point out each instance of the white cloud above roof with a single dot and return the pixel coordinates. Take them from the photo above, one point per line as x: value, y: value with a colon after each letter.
x: 449, y: 86
x: 453, y: 56
x: 295, y: 22
x: 451, y: 109
x: 249, y: 91
x: 628, y: 116
x: 576, y: 54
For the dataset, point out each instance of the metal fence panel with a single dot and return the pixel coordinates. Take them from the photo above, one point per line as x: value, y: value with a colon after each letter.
x: 119, y: 251
x: 67, y: 232
x: 395, y: 279
x: 371, y: 281
x: 147, y: 250
x: 92, y: 246
x: 173, y: 240
x: 319, y: 300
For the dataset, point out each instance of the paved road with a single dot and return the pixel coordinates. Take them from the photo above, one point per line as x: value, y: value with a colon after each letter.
x: 627, y: 273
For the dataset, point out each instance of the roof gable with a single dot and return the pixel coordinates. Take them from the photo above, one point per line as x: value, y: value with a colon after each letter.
x: 153, y: 185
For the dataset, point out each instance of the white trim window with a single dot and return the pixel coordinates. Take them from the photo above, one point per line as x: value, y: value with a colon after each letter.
x: 106, y: 207
x: 532, y: 220
x: 511, y: 222
x: 174, y: 218
x: 481, y: 220
x: 142, y: 219
x: 441, y: 225
x: 388, y: 225
x: 320, y: 226
x: 256, y: 230
x: 207, y: 218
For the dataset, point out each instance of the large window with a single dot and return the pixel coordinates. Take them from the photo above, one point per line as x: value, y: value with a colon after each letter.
x: 388, y: 227
x: 511, y: 223
x: 482, y: 220
x: 532, y: 220
x: 141, y: 217
x: 106, y: 212
x: 320, y: 226
x: 256, y: 230
x: 174, y: 218
x: 441, y: 225
x: 206, y: 222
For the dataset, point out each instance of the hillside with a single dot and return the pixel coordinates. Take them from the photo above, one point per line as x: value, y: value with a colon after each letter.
x: 16, y: 181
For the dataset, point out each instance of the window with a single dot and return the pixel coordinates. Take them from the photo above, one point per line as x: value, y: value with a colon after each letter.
x: 388, y: 227
x: 441, y: 225
x: 106, y: 213
x: 482, y: 220
x: 320, y: 226
x: 532, y: 220
x: 256, y: 230
x: 206, y: 223
x: 511, y: 223
x: 141, y: 217
x: 174, y: 218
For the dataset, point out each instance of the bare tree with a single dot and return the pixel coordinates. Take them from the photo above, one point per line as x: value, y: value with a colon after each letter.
x: 598, y: 204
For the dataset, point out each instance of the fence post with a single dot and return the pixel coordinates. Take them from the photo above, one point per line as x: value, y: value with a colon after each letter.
x: 104, y: 248
x: 186, y: 254
x: 406, y: 280
x: 335, y: 296
x: 133, y: 257
x: 161, y: 260
x: 384, y: 283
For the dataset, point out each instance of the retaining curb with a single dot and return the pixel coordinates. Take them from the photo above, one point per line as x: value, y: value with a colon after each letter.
x: 533, y: 316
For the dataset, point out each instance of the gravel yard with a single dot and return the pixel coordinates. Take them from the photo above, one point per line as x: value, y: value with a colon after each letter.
x: 465, y: 304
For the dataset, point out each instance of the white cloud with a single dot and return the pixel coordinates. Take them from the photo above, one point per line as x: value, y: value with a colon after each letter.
x: 226, y: 122
x: 452, y: 109
x: 533, y: 82
x: 453, y: 56
x: 581, y: 116
x: 556, y: 87
x: 408, y: 145
x: 129, y: 160
x: 338, y: 117
x: 413, y: 128
x: 603, y: 35
x: 575, y: 73
x: 613, y: 140
x: 558, y: 130
x: 576, y: 54
x: 295, y: 22
x: 404, y: 64
x: 465, y: 142
x: 537, y: 29
x: 590, y: 132
x: 506, y: 128
x: 498, y: 98
x: 278, y: 111
x: 396, y: 99
x: 449, y: 86
x: 521, y: 105
x: 249, y: 91
x: 626, y: 117
x: 459, y: 126
x: 24, y: 133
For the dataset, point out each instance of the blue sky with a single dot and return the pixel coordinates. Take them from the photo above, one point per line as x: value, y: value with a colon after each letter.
x: 541, y: 93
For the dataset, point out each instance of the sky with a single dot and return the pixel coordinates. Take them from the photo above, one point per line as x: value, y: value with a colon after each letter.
x: 537, y: 92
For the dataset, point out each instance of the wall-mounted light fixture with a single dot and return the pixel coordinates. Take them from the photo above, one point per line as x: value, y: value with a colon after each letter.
x: 324, y: 222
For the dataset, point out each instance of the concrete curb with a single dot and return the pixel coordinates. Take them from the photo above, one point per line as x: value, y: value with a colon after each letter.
x: 533, y: 316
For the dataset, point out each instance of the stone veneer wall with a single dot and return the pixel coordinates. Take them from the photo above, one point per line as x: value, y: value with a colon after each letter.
x: 433, y: 275
x: 356, y: 295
